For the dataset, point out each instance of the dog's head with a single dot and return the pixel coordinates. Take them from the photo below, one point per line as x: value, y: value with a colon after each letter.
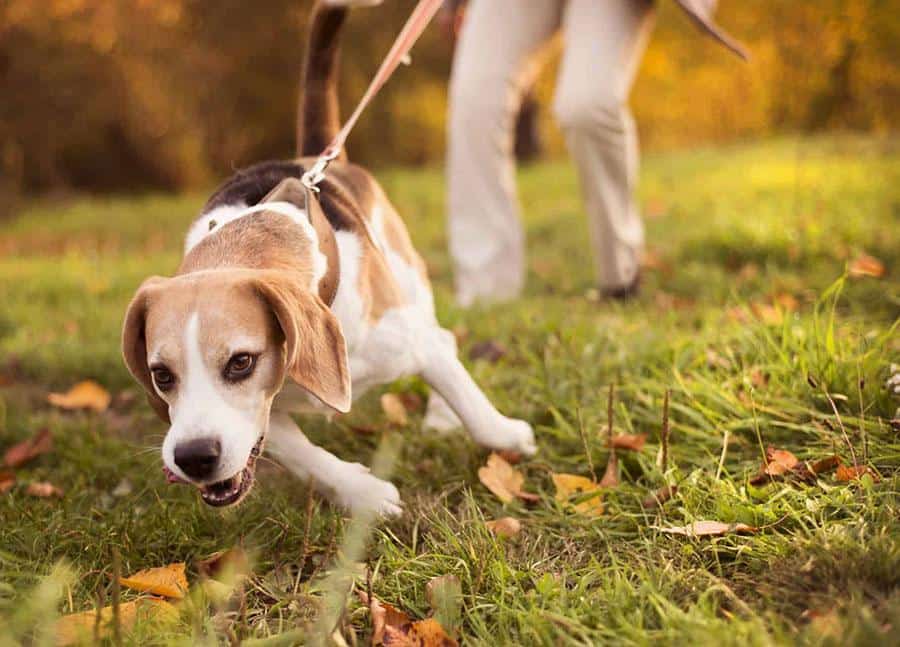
x: 212, y: 350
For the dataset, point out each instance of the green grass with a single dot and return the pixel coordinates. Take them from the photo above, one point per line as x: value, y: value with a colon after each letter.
x: 730, y: 227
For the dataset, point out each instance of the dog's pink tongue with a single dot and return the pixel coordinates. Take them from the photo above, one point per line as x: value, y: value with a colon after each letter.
x: 172, y: 477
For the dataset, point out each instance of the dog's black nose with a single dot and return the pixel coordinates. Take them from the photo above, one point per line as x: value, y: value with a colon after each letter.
x: 198, y: 458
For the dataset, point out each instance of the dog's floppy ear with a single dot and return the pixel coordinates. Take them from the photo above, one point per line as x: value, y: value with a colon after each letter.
x: 316, y: 353
x: 134, y: 344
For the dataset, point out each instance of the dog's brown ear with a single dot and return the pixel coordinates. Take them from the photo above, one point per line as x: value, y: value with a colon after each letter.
x: 134, y: 344
x: 316, y: 353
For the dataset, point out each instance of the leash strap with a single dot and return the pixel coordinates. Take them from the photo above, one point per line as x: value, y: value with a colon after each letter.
x: 399, y: 53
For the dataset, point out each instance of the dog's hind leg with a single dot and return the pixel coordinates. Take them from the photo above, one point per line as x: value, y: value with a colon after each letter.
x: 350, y: 485
x: 488, y: 427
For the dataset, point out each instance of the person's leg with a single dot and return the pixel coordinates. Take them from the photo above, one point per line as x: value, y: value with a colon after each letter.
x: 495, y: 57
x: 604, y: 43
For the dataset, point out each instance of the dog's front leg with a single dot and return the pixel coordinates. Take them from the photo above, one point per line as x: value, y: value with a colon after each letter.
x: 488, y: 427
x: 350, y: 485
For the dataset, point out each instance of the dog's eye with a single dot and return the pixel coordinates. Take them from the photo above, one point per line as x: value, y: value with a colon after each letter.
x: 239, y: 367
x: 163, y: 378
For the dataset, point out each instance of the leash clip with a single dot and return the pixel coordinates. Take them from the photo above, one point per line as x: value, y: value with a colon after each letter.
x: 316, y: 172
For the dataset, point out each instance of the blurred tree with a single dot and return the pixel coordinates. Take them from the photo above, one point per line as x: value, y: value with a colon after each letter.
x: 108, y: 95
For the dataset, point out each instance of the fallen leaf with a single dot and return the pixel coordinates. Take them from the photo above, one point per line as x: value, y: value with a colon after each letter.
x: 394, y: 410
x: 758, y: 378
x: 168, y: 581
x: 659, y: 497
x: 224, y: 564
x: 630, y: 442
x: 510, y: 456
x: 77, y: 627
x: 504, y: 527
x: 825, y: 464
x: 866, y: 265
x: 708, y: 529
x: 383, y: 615
x: 422, y: 633
x: 611, y: 475
x: 28, y: 449
x: 412, y: 401
x: 43, y: 489
x: 786, y: 301
x: 778, y: 462
x: 504, y: 480
x: 569, y: 486
x: 84, y: 395
x: 7, y: 481
x: 444, y: 595
x: 768, y: 314
x: 847, y: 473
x: 490, y: 350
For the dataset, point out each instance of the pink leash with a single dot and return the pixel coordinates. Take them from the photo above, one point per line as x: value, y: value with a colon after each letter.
x: 399, y: 53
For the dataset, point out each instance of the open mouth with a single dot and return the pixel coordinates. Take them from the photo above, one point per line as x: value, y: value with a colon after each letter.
x: 230, y: 491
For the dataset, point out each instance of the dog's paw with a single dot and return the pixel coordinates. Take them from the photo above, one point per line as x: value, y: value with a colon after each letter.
x: 363, y: 493
x: 511, y: 434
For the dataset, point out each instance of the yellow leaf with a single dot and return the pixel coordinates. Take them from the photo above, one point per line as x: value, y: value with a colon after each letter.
x: 504, y: 527
x: 571, y: 485
x: 77, y: 627
x: 168, y: 581
x: 504, y: 480
x: 393, y: 408
x: 84, y: 395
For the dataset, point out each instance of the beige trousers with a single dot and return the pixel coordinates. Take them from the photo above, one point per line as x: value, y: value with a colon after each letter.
x: 497, y: 56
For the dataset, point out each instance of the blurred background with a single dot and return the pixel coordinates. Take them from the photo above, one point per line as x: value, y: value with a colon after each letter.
x: 126, y: 95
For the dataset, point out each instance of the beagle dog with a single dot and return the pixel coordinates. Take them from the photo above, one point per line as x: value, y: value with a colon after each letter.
x: 278, y: 309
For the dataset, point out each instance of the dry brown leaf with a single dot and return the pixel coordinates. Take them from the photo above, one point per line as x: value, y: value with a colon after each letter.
x: 866, y: 265
x: 7, y: 481
x: 630, y: 442
x: 394, y: 410
x: 412, y: 401
x: 383, y: 615
x: 84, y: 395
x: 709, y: 529
x: 611, y: 475
x: 228, y: 564
x: 422, y: 633
x: 847, y: 473
x: 74, y: 628
x: 569, y: 486
x: 43, y: 489
x: 28, y: 449
x: 768, y: 314
x: 490, y: 350
x: 510, y: 456
x: 168, y: 581
x: 785, y: 300
x: 504, y: 480
x: 505, y: 526
x: 659, y: 497
x: 778, y: 463
x: 825, y: 464
x: 758, y: 378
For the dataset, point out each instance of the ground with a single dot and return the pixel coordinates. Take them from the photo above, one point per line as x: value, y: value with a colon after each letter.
x: 747, y: 316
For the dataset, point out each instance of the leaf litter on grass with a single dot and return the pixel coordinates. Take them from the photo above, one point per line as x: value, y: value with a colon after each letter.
x: 29, y: 449
x: 83, y: 395
x: 504, y: 480
x: 168, y: 581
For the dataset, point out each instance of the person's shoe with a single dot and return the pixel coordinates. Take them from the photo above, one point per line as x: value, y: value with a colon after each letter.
x: 622, y: 292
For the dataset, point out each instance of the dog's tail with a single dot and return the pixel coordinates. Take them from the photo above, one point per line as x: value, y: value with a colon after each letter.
x: 318, y: 118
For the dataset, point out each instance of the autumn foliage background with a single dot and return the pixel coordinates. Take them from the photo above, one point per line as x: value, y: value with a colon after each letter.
x: 119, y: 95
